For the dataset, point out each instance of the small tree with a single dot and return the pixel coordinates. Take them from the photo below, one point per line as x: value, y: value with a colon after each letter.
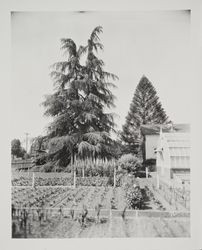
x: 130, y: 163
x: 16, y: 148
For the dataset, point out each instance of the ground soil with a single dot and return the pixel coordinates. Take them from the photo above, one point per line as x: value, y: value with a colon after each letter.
x: 116, y: 227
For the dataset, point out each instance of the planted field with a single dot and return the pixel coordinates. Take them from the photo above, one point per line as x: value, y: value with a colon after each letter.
x: 66, y: 197
x: 56, y: 179
x: 94, y: 208
x: 171, y: 197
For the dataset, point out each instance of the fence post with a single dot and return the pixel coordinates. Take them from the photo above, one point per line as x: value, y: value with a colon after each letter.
x: 110, y: 222
x: 74, y: 168
x: 114, y: 175
x: 157, y: 181
x: 83, y: 166
x: 33, y: 179
x: 136, y: 213
x: 146, y: 172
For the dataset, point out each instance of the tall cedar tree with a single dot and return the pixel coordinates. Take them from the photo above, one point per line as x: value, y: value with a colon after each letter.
x: 82, y: 92
x: 144, y: 109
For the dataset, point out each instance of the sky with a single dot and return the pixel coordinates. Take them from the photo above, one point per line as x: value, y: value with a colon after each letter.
x: 151, y: 43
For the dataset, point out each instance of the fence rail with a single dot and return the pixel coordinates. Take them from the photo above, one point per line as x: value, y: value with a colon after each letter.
x: 105, y: 212
x: 47, y: 186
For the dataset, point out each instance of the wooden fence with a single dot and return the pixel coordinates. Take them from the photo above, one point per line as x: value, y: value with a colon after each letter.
x: 21, y: 164
x: 34, y: 211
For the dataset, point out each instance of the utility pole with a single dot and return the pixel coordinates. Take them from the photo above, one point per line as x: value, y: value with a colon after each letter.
x: 26, y: 141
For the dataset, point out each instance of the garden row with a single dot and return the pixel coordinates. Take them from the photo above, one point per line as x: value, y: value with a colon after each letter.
x: 31, y: 206
x: 62, y: 180
x: 59, y: 181
x: 106, y: 197
x: 90, y: 197
x: 173, y: 198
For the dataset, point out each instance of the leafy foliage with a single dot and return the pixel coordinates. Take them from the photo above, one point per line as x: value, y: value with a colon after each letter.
x: 16, y: 148
x: 144, y: 109
x: 130, y: 163
x: 38, y: 144
x: 151, y: 164
x: 38, y: 150
x: 134, y: 197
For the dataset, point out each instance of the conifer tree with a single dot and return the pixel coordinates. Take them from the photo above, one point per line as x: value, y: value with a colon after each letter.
x: 80, y: 124
x: 144, y: 109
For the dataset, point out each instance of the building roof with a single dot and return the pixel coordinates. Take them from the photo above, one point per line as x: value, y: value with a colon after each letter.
x: 154, y: 129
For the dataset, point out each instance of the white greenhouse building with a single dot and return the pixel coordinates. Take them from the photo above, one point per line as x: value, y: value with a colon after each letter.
x: 173, y: 156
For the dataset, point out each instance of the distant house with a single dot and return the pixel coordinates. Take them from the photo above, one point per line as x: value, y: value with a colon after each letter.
x: 170, y: 146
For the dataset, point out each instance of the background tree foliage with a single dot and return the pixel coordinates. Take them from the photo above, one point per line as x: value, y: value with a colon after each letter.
x: 39, y: 143
x: 16, y: 149
x: 81, y: 126
x: 145, y: 108
x: 38, y: 150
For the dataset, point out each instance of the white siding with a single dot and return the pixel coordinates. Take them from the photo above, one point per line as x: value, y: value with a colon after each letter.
x: 151, y: 145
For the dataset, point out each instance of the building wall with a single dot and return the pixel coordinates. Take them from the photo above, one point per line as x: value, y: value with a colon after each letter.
x: 163, y: 158
x: 172, y: 155
x: 166, y: 173
x: 151, y: 145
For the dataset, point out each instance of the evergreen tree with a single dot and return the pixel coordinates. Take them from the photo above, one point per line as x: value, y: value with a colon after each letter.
x: 80, y: 124
x: 144, y: 109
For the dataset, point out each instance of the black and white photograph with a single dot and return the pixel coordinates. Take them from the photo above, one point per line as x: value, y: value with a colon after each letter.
x: 101, y: 142
x: 102, y: 129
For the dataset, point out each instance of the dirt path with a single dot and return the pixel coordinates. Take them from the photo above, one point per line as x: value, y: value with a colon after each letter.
x: 106, y: 202
x: 115, y: 228
x: 120, y: 197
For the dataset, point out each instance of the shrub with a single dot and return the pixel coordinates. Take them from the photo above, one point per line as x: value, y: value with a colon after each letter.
x: 134, y: 197
x: 48, y: 167
x: 130, y: 163
x: 151, y: 164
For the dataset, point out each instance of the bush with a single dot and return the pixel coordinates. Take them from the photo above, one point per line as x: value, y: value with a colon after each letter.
x: 134, y: 197
x: 130, y: 163
x: 151, y: 164
x: 48, y: 167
